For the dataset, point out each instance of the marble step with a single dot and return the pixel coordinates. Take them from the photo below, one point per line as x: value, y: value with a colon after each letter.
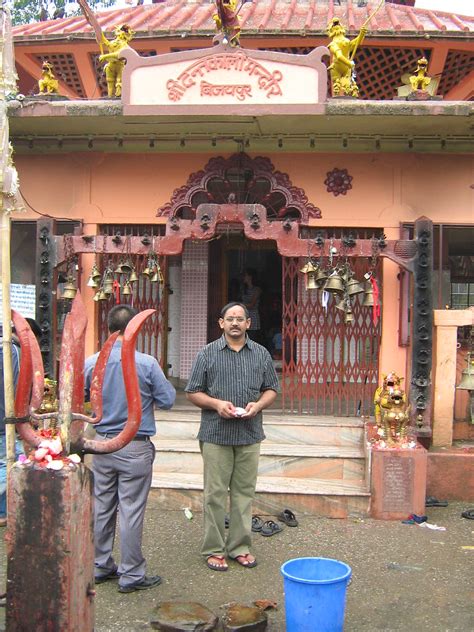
x: 295, y: 460
x: 299, y: 429
x: 329, y: 498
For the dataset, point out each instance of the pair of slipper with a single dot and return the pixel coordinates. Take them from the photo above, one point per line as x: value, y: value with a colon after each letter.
x: 431, y: 501
x: 267, y: 528
x: 243, y: 560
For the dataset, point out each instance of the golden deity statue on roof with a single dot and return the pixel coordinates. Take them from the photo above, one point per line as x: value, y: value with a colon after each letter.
x: 114, y: 63
x: 227, y: 21
x: 342, y: 68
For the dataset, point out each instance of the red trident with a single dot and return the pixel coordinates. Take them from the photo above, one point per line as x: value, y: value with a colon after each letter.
x: 70, y: 417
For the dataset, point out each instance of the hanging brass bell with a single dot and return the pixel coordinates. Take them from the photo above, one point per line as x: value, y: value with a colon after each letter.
x: 126, y: 267
x: 108, y: 286
x: 368, y: 297
x: 147, y: 271
x: 126, y: 289
x: 95, y: 274
x: 321, y: 277
x: 103, y: 296
x: 118, y: 269
x: 354, y: 287
x: 310, y: 280
x: 467, y: 377
x: 341, y: 304
x: 309, y: 267
x: 334, y: 284
x: 92, y: 282
x: 70, y: 290
x: 133, y: 276
x: 349, y: 317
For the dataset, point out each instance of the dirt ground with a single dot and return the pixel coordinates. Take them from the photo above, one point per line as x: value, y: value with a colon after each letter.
x: 404, y: 577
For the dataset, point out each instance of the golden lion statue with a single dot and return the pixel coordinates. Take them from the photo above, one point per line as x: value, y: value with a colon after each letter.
x: 391, y: 410
x: 48, y: 84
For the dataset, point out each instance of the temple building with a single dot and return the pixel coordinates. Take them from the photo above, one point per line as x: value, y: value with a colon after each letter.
x: 349, y: 198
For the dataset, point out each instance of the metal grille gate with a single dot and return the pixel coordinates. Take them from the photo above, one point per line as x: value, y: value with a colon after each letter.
x: 145, y: 295
x: 328, y: 367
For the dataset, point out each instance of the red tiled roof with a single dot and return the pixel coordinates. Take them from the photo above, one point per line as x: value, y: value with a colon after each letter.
x: 258, y: 17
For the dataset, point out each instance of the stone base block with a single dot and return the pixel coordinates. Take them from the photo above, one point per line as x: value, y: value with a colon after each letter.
x: 398, y: 482
x: 183, y: 616
x: 50, y: 550
x: 451, y: 474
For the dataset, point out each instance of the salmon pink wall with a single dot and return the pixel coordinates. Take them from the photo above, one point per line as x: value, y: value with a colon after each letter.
x: 386, y: 189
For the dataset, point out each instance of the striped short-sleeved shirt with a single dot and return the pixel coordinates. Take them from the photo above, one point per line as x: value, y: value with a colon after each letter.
x: 234, y: 376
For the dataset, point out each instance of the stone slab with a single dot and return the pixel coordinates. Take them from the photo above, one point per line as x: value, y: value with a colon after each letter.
x: 183, y: 616
x: 451, y: 474
x: 398, y: 482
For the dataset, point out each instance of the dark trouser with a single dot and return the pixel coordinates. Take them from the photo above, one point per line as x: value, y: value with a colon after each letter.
x: 122, y: 481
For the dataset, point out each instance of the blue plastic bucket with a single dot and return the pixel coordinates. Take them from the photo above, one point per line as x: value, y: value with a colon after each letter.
x: 315, y: 594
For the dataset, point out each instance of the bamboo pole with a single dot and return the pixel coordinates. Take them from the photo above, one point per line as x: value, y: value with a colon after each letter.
x: 5, y: 232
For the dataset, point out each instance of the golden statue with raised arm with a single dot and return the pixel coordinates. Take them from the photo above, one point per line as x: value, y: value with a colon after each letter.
x: 342, y: 68
x: 114, y: 64
x: 227, y: 21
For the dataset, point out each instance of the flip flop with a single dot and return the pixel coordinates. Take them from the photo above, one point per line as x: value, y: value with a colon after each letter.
x: 288, y: 517
x: 257, y: 524
x: 244, y: 561
x: 270, y: 528
x: 216, y: 567
x: 226, y: 522
x: 431, y: 501
x: 469, y: 514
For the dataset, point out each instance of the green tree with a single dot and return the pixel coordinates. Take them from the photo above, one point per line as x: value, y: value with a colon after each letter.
x: 27, y: 11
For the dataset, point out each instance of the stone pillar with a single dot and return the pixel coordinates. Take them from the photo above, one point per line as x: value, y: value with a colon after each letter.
x: 446, y: 323
x: 50, y: 550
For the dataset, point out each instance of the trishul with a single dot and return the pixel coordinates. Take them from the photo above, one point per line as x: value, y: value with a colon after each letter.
x: 70, y: 417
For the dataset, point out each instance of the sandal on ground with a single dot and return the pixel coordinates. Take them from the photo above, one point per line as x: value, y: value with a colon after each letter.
x: 257, y: 524
x: 270, y: 528
x: 288, y: 517
x: 226, y: 521
x: 222, y: 566
x: 244, y: 560
x: 432, y: 501
x: 469, y: 514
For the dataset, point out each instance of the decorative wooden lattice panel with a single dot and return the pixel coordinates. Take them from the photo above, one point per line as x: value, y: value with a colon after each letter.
x: 329, y: 367
x: 457, y: 66
x: 379, y: 69
x: 65, y: 69
x: 145, y: 294
x: 100, y: 72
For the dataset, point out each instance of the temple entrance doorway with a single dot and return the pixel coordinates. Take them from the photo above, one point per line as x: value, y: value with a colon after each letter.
x: 230, y: 257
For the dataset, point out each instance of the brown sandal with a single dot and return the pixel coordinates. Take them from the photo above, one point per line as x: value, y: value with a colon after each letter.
x: 244, y: 561
x: 217, y: 567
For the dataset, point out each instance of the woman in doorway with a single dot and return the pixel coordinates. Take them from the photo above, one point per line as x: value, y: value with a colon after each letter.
x: 251, y: 299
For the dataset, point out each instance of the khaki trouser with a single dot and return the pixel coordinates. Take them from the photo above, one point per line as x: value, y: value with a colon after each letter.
x: 228, y: 470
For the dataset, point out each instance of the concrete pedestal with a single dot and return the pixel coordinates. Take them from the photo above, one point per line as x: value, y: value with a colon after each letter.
x: 398, y: 482
x: 50, y: 548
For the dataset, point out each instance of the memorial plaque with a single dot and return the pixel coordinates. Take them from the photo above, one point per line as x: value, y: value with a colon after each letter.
x: 398, y: 474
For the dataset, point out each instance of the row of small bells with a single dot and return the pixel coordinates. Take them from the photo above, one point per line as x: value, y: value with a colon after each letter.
x: 339, y: 282
x: 106, y: 282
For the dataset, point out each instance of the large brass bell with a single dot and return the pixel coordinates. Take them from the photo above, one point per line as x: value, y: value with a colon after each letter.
x: 133, y: 276
x: 108, y: 286
x: 467, y: 377
x: 126, y: 267
x: 368, y: 297
x: 353, y: 287
x: 310, y: 280
x: 126, y: 289
x: 70, y: 290
x: 334, y: 284
x: 321, y: 277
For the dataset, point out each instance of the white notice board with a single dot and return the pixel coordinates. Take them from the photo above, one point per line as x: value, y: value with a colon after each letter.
x: 22, y: 299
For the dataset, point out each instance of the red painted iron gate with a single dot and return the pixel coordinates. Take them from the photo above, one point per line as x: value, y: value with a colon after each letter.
x: 328, y: 367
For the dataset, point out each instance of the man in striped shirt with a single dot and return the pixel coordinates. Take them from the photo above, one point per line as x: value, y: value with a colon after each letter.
x: 232, y: 380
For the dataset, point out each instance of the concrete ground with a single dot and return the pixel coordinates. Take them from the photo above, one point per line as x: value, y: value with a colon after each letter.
x: 404, y: 577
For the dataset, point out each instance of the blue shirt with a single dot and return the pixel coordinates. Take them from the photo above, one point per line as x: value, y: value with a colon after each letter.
x: 16, y: 370
x: 155, y: 390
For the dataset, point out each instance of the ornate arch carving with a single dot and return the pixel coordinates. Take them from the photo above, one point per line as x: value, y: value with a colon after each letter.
x: 242, y: 180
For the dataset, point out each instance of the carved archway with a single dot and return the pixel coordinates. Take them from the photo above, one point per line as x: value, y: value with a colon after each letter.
x: 241, y: 180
